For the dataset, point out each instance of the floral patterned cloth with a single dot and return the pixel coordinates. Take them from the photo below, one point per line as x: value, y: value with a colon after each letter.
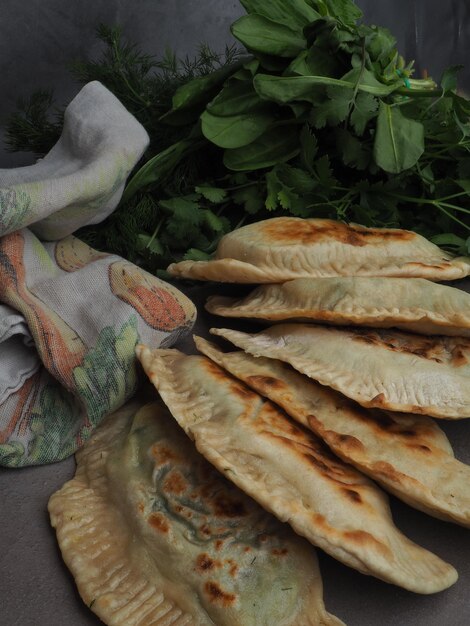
x: 70, y: 316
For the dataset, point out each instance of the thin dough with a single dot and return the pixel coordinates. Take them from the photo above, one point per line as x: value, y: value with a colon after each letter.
x: 156, y: 537
x: 284, y: 248
x: 376, y: 368
x: 409, y: 455
x: 412, y: 304
x: 290, y: 472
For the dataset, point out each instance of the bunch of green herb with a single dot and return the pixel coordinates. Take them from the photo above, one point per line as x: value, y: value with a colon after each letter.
x: 323, y: 119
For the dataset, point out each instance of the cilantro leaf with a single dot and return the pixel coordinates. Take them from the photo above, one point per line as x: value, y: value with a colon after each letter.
x: 273, y: 187
x: 250, y: 197
x: 364, y: 110
x: 213, y: 194
x: 308, y: 147
x: 334, y: 110
x: 353, y: 152
x: 449, y: 78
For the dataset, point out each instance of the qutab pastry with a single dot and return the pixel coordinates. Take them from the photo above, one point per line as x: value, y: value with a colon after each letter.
x: 155, y: 536
x: 284, y: 248
x: 409, y: 455
x: 290, y: 472
x: 376, y: 368
x: 412, y: 304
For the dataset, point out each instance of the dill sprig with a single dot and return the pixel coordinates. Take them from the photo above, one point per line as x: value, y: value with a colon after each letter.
x: 145, y: 86
x: 36, y: 125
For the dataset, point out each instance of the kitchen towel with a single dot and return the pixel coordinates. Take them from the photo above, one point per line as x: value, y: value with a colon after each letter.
x: 71, y: 316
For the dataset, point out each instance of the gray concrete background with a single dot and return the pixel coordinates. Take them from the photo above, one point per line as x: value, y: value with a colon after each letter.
x: 37, y: 39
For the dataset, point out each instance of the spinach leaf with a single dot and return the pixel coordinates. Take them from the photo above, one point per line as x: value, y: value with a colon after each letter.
x: 198, y: 90
x: 399, y: 141
x: 345, y: 11
x: 263, y: 35
x: 295, y: 14
x: 234, y: 131
x: 235, y: 97
x: 275, y: 146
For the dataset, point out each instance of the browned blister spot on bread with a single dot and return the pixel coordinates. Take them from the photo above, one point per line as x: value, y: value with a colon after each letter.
x: 365, y: 539
x: 217, y: 595
x: 159, y: 522
x: 175, y: 483
x: 438, y: 349
x: 205, y: 564
x: 266, y: 382
x: 352, y: 495
x: 304, y: 232
x: 237, y: 388
x: 419, y: 447
x: 460, y: 355
x: 344, y: 442
x: 163, y: 454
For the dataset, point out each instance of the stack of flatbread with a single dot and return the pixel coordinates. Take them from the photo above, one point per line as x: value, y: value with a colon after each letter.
x: 310, y: 421
x: 367, y: 347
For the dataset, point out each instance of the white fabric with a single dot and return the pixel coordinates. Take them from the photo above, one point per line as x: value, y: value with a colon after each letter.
x: 82, y: 178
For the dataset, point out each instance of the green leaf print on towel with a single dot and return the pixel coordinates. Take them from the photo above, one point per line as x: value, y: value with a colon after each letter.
x: 108, y: 375
x: 14, y: 208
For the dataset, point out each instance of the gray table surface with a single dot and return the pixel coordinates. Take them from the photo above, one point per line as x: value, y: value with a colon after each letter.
x: 36, y: 588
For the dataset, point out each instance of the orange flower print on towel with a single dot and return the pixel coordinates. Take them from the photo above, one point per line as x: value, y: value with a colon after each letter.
x: 156, y: 302
x: 60, y: 347
x: 24, y: 399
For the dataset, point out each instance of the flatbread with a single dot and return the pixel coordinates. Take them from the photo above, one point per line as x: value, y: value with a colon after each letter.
x: 412, y: 304
x: 284, y: 248
x: 290, y: 472
x: 376, y: 368
x: 409, y: 455
x: 155, y: 536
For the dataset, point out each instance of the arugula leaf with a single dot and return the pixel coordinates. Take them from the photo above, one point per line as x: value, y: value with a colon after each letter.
x: 284, y: 89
